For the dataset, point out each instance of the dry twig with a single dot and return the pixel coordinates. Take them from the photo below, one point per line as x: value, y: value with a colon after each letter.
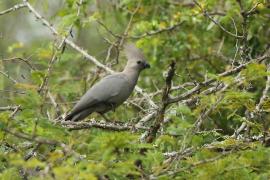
x: 14, y: 8
x: 151, y: 134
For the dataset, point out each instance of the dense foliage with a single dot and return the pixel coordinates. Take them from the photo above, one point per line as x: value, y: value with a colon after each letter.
x: 206, y: 116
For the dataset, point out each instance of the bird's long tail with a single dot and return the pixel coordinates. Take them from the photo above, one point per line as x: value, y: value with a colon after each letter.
x: 79, y: 115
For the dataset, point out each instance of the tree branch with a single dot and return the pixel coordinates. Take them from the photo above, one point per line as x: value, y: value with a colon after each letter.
x: 205, y: 13
x: 199, y: 86
x: 113, y: 126
x: 14, y: 8
x: 151, y: 134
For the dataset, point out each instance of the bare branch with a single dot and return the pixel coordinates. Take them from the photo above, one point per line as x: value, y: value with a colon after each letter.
x: 258, y: 108
x: 205, y: 13
x: 21, y: 59
x: 8, y: 108
x: 113, y: 126
x: 152, y: 33
x: 55, y: 105
x: 265, y: 92
x: 9, y: 77
x: 32, y: 152
x: 30, y: 138
x: 199, y: 86
x: 14, y: 8
x: 145, y: 119
x: 203, y: 115
x: 198, y: 163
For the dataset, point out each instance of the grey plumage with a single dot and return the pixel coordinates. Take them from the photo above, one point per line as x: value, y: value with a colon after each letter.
x: 113, y: 90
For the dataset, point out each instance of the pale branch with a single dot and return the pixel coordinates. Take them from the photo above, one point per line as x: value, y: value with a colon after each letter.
x: 109, y: 53
x: 258, y: 107
x: 112, y: 126
x: 205, y: 13
x: 41, y: 140
x: 145, y: 119
x: 135, y: 105
x: 253, y: 9
x: 240, y: 129
x: 204, y: 114
x: 185, y: 152
x: 108, y: 29
x: 12, y: 91
x: 146, y: 34
x: 26, y: 61
x: 182, y: 3
x: 30, y: 138
x: 49, y: 70
x: 18, y: 108
x: 146, y: 97
x: 32, y: 152
x: 55, y: 105
x: 152, y: 33
x: 219, y: 87
x: 14, y: 8
x: 265, y: 92
x: 9, y: 77
x: 175, y: 88
x: 199, y: 86
x: 193, y: 165
x: 83, y: 52
x: 8, y: 108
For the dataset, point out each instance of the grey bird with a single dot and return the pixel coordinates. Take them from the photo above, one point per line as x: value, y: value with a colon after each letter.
x: 112, y: 90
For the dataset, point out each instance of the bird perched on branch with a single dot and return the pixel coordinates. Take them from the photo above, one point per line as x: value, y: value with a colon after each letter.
x: 112, y: 90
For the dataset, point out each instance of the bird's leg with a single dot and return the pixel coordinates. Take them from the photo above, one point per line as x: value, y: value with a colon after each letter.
x: 103, y: 115
x: 113, y: 105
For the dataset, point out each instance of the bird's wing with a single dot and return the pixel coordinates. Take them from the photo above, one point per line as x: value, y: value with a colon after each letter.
x: 106, y: 89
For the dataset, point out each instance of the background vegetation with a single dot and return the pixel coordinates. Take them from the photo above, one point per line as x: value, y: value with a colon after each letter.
x: 201, y: 111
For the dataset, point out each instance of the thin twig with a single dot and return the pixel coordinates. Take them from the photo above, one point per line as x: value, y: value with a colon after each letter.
x: 214, y: 21
x: 30, y: 138
x: 9, y: 77
x: 152, y: 33
x: 203, y: 115
x: 8, y: 108
x: 21, y: 59
x: 32, y: 152
x: 265, y: 92
x: 14, y: 8
x: 199, y: 86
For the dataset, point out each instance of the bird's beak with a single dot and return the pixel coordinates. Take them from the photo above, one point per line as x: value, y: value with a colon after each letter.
x: 146, y: 65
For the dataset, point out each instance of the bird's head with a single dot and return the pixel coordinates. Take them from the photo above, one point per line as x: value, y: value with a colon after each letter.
x: 136, y: 59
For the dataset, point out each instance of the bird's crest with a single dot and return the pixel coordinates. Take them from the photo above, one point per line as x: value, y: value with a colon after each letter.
x: 132, y: 52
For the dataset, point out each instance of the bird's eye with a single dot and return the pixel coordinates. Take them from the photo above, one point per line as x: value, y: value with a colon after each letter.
x: 139, y: 62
